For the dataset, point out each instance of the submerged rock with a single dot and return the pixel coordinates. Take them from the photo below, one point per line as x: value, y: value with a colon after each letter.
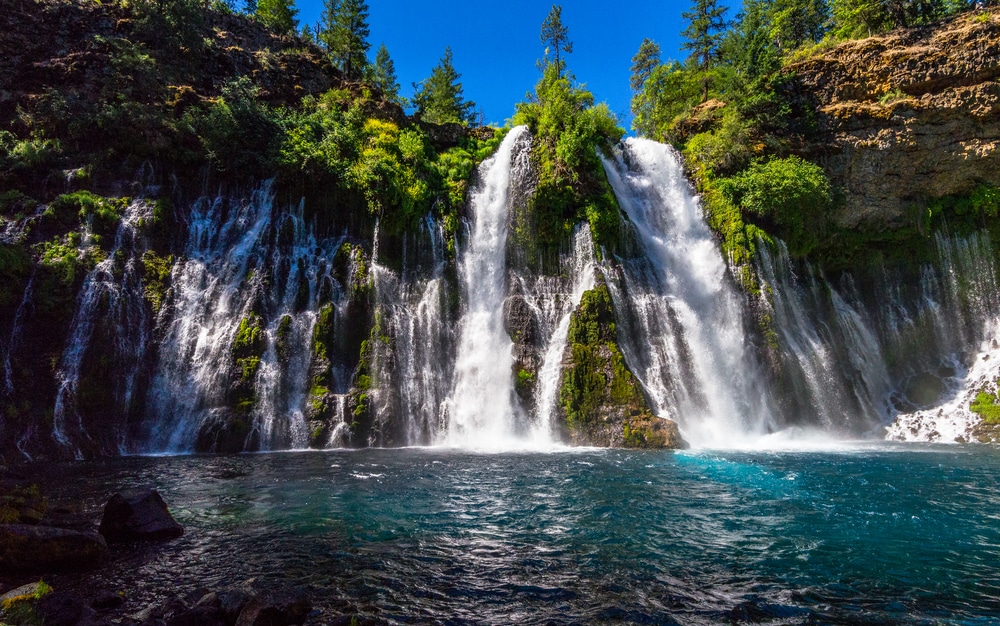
x: 139, y: 515
x: 32, y: 548
x: 280, y: 606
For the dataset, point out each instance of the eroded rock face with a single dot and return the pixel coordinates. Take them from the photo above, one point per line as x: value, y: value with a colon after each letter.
x: 907, y: 117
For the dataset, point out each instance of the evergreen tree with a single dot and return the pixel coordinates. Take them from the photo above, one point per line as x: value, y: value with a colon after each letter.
x: 555, y: 36
x: 278, y: 15
x: 250, y: 8
x: 797, y: 22
x: 382, y: 74
x: 438, y: 98
x: 644, y: 62
x: 704, y: 33
x: 345, y: 34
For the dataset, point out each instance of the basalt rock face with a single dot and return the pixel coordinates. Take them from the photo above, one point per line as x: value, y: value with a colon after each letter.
x: 907, y: 117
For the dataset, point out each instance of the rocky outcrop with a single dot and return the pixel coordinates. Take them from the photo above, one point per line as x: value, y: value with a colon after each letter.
x: 601, y: 402
x: 907, y: 117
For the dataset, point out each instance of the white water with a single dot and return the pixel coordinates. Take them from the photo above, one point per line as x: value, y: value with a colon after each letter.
x: 13, y: 340
x: 240, y: 259
x: 114, y: 300
x: 685, y: 339
x: 966, y: 326
x: 582, y: 269
x: 482, y: 409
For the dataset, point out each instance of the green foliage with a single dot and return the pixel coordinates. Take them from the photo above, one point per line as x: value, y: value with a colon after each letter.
x: 103, y: 214
x: 572, y: 186
x: 555, y: 38
x: 703, y: 35
x: 278, y: 15
x: 382, y: 74
x: 63, y: 256
x: 27, y: 154
x: 438, y: 99
x: 644, y: 62
x: 792, y: 194
x: 238, y: 133
x: 668, y: 92
x: 344, y: 32
x: 987, y: 406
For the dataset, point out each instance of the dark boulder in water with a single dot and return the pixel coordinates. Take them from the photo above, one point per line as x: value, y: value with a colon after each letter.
x: 139, y: 515
x: 32, y: 548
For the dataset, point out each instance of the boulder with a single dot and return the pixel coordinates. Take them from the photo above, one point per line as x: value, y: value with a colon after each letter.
x: 280, y: 606
x: 27, y: 548
x: 139, y: 515
x: 63, y: 609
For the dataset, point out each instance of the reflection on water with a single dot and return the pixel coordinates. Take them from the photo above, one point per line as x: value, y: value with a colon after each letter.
x: 876, y: 535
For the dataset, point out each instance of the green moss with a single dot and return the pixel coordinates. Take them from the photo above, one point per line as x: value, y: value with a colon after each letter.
x: 102, y: 213
x: 283, y: 337
x: 987, y: 406
x: 156, y: 278
x: 249, y: 340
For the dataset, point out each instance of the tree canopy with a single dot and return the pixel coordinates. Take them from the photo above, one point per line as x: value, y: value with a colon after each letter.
x: 555, y: 37
x: 278, y: 15
x: 439, y: 99
x: 344, y: 31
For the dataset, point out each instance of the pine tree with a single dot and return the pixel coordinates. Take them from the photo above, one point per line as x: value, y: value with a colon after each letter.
x: 382, y: 74
x: 643, y: 63
x: 345, y: 35
x: 278, y: 15
x: 797, y: 22
x: 556, y: 36
x: 438, y: 98
x: 704, y: 33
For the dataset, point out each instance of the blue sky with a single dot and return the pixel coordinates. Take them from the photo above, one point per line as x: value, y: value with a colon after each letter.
x: 496, y: 44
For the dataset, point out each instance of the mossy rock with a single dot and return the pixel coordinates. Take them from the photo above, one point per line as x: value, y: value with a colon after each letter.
x: 601, y: 400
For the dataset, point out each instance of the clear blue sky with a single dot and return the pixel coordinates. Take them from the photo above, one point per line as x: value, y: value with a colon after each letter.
x: 496, y: 44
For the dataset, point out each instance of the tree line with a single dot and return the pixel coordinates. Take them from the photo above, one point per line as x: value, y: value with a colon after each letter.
x: 732, y: 57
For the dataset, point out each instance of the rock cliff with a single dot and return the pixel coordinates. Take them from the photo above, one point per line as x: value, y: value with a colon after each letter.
x: 907, y: 117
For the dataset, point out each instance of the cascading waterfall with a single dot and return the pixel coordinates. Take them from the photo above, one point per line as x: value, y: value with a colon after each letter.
x: 111, y: 294
x: 684, y: 334
x: 13, y: 340
x: 850, y: 364
x: 414, y: 309
x: 554, y: 307
x: 242, y: 262
x: 833, y: 370
x: 212, y: 287
x: 482, y: 409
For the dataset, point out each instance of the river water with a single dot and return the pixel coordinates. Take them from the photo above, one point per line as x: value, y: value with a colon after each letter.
x: 855, y: 534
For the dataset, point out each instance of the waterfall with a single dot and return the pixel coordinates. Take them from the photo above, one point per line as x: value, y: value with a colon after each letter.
x: 962, y: 302
x: 414, y: 384
x: 15, y: 335
x: 243, y: 264
x: 681, y: 323
x: 483, y: 411
x: 554, y: 307
x: 111, y: 294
